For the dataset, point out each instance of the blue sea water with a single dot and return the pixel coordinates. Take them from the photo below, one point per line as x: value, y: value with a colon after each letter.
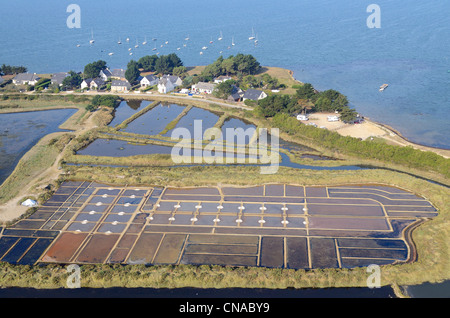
x: 325, y: 42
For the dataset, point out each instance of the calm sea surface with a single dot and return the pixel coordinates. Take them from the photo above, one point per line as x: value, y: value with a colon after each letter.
x: 325, y: 42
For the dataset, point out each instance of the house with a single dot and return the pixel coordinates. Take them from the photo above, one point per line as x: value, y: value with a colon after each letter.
x: 254, y: 94
x: 165, y: 86
x: 236, y: 94
x: 204, y: 88
x: 176, y: 81
x: 26, y: 78
x: 58, y: 78
x: 149, y: 80
x: 221, y: 78
x: 92, y: 83
x: 120, y: 86
x: 118, y: 74
x: 97, y: 83
x: 105, y: 74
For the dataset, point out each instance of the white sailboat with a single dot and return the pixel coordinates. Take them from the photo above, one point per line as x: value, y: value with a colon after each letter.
x: 137, y: 45
x: 186, y: 38
x: 128, y: 39
x: 211, y: 41
x: 232, y: 41
x: 204, y: 48
x: 253, y: 35
x: 92, y: 37
x: 119, y: 42
x: 220, y: 37
x: 145, y: 41
x: 111, y: 53
x: 256, y: 39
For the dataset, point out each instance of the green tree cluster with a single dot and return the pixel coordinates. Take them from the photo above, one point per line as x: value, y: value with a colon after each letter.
x: 239, y: 64
x: 9, y: 70
x: 92, y: 70
x: 163, y: 64
x: 72, y: 81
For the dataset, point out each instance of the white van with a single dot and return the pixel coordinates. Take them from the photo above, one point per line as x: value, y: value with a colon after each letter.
x: 333, y: 118
x: 302, y: 117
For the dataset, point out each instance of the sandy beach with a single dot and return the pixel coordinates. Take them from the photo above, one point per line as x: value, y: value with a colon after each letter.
x: 369, y: 129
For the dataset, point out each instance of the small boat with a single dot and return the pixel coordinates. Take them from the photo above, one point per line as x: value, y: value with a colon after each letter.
x: 78, y: 45
x: 201, y: 53
x: 92, y: 37
x: 232, y: 41
x: 211, y: 41
x: 220, y: 37
x: 167, y: 42
x: 131, y: 53
x: 204, y: 48
x: 253, y: 35
x: 154, y: 49
x: 129, y: 49
x: 256, y: 39
x: 128, y: 39
x: 383, y: 87
x: 145, y: 41
x: 137, y: 45
x: 119, y: 42
x: 111, y: 53
x: 186, y: 38
x: 178, y: 48
x: 154, y: 39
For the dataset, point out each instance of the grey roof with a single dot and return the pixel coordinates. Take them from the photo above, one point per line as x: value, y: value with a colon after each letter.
x: 150, y: 77
x: 172, y: 78
x: 120, y: 83
x: 26, y: 77
x: 204, y: 85
x: 99, y: 81
x: 164, y: 81
x: 118, y: 73
x: 252, y: 94
x: 106, y: 72
x: 57, y: 78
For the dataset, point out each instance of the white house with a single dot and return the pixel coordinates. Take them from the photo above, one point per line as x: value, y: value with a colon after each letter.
x: 176, y: 81
x: 105, y: 74
x: 86, y: 83
x: 92, y: 83
x: 165, y: 86
x: 149, y: 80
x: 26, y: 78
x: 254, y: 94
x: 120, y: 86
x: 58, y: 78
x: 202, y: 87
x: 221, y: 78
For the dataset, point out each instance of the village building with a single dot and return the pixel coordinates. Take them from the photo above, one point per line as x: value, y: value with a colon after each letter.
x: 254, y: 94
x: 203, y: 88
x: 26, y: 78
x: 221, y: 79
x: 120, y: 86
x: 58, y: 78
x: 165, y: 86
x: 149, y: 80
x: 236, y: 94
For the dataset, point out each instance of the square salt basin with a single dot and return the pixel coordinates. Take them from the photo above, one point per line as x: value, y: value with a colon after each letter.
x: 209, y: 207
x: 90, y: 217
x: 125, y: 209
x: 252, y: 208
x: 129, y: 200
x: 293, y: 209
x: 252, y: 221
x: 205, y: 219
x: 113, y: 228
x: 80, y: 227
x: 100, y: 199
x: 112, y: 192
x: 227, y: 220
x: 165, y: 206
x: 273, y: 208
x: 117, y: 218
x: 135, y: 192
x: 296, y: 222
x: 230, y: 207
x: 182, y: 219
x: 95, y: 208
x: 272, y: 221
x: 187, y: 206
x: 160, y: 219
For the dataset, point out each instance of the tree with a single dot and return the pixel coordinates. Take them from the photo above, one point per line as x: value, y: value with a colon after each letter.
x: 72, y: 81
x: 180, y: 71
x: 132, y: 72
x: 348, y: 114
x: 274, y: 104
x: 306, y: 91
x: 224, y: 89
x: 148, y: 62
x: 10, y: 70
x: 92, y: 70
